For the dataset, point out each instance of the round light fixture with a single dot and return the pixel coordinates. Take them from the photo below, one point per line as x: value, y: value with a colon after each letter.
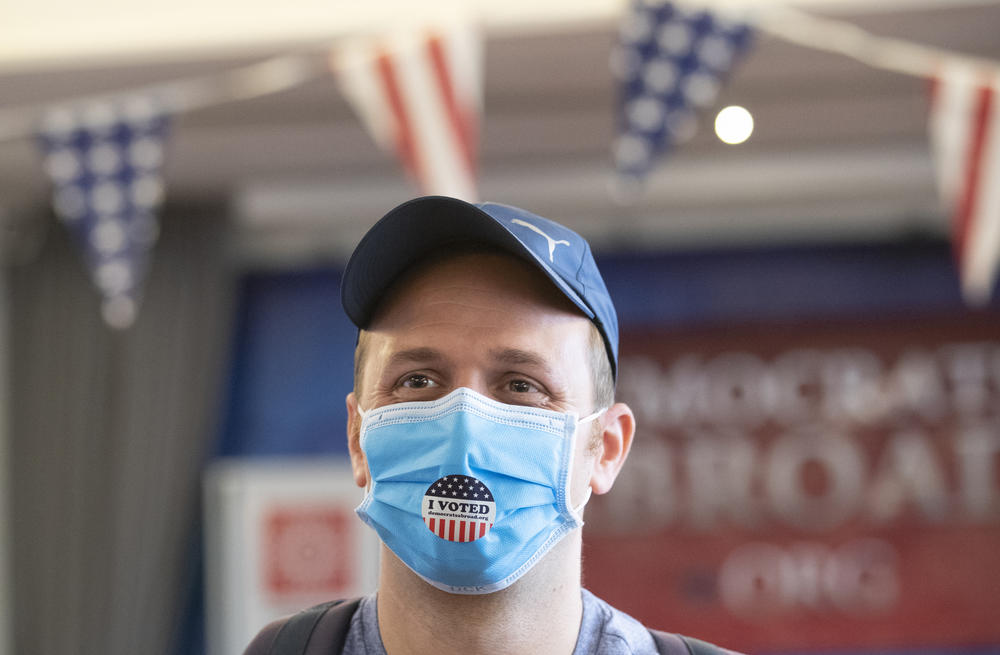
x: 733, y: 125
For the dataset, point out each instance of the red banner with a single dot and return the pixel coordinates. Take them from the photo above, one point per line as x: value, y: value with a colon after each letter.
x: 809, y: 486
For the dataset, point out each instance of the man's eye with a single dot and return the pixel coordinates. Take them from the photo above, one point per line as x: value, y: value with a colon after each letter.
x: 417, y: 381
x: 522, y: 386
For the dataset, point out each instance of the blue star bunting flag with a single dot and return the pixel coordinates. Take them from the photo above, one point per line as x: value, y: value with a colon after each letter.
x: 670, y: 63
x: 105, y: 161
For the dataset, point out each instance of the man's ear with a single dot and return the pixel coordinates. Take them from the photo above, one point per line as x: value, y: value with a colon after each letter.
x: 614, y: 443
x: 359, y: 465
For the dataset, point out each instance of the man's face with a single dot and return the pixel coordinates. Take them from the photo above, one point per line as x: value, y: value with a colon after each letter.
x: 487, y: 322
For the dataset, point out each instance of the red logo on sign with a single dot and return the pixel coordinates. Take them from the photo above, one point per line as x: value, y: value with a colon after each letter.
x: 308, y: 551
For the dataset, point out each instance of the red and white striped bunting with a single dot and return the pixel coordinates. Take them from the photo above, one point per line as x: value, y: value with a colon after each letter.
x: 419, y: 93
x: 965, y: 137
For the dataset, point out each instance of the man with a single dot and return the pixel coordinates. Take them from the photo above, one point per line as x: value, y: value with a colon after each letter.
x: 482, y: 418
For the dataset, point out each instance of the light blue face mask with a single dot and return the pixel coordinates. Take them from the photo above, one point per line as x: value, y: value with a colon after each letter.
x: 468, y: 492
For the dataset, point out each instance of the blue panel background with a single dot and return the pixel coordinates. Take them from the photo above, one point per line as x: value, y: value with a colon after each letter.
x: 292, y: 367
x: 781, y: 283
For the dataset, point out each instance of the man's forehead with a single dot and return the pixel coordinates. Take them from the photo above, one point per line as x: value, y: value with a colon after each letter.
x: 496, y: 281
x: 500, y: 355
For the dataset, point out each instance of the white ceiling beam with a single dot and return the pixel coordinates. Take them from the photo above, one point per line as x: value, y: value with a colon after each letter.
x: 66, y: 34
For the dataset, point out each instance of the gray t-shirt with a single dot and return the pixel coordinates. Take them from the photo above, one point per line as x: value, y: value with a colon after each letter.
x: 603, y: 631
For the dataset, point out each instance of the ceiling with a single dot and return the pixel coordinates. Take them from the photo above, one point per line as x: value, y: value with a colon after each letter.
x: 839, y: 149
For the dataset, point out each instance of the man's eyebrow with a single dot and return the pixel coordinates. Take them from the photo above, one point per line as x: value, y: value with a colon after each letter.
x: 415, y: 356
x: 516, y: 356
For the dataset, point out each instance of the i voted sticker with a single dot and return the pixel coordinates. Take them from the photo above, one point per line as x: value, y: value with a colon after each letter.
x: 459, y: 508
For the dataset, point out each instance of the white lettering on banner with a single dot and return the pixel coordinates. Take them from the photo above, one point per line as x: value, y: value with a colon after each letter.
x: 811, y: 439
x: 860, y: 577
x: 970, y: 370
x: 978, y: 448
x: 908, y: 471
x: 849, y: 385
x: 733, y: 390
x: 721, y: 470
x: 841, y: 462
x: 714, y: 481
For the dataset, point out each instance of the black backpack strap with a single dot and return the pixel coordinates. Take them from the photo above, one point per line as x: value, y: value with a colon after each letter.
x: 294, y: 635
x: 668, y: 643
x: 699, y: 647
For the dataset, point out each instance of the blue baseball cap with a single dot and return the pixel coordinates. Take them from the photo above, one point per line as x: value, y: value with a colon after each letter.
x: 415, y: 228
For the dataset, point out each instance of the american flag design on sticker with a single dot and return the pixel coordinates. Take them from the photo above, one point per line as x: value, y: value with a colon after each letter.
x: 459, y: 508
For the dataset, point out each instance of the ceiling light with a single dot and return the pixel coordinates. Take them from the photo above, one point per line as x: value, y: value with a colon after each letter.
x: 733, y: 125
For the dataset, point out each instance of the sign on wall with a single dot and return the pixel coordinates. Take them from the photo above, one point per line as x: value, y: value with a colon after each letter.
x: 281, y: 535
x: 809, y: 486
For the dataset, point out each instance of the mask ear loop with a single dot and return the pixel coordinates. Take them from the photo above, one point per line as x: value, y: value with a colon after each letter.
x: 368, y: 486
x: 578, y: 510
x: 591, y: 417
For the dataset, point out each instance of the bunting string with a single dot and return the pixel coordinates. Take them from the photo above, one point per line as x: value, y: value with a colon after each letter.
x: 274, y: 75
x: 843, y: 38
x: 285, y: 72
